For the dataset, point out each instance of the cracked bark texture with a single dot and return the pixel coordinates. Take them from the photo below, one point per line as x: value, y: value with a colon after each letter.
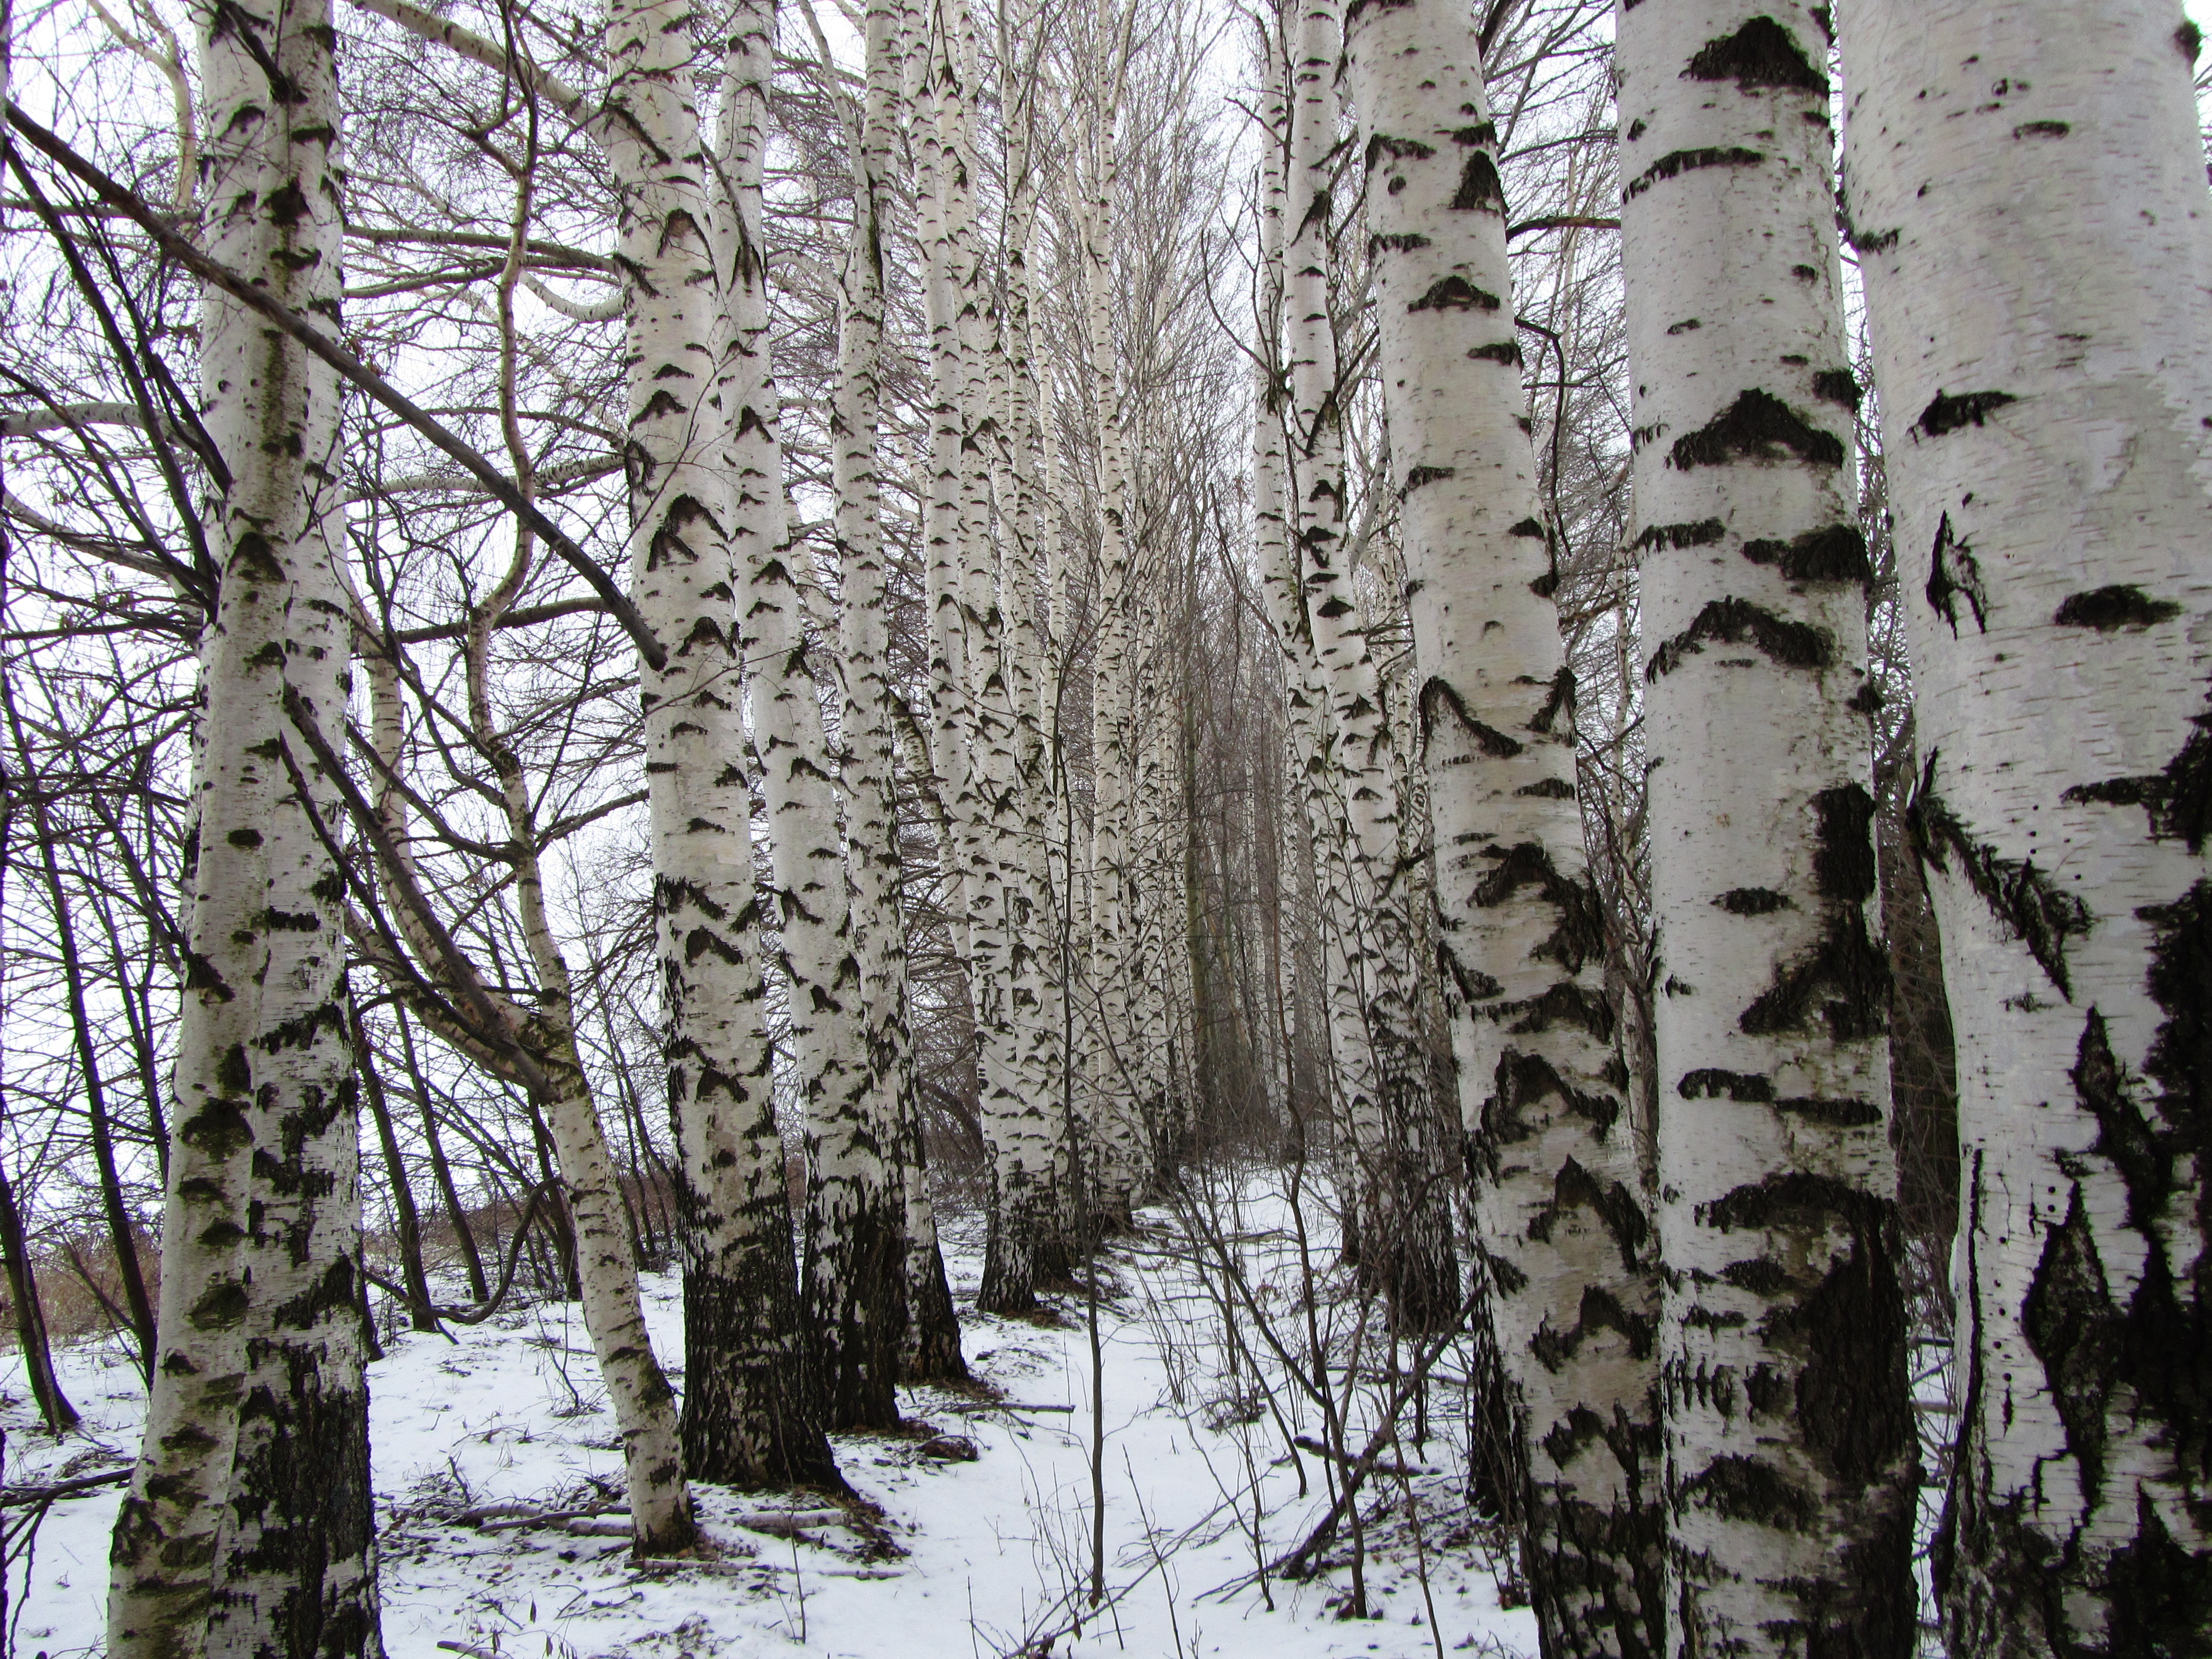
x: 247, y: 1528
x: 1561, y: 1219
x: 2026, y: 191
x: 751, y: 1414
x: 1791, y: 1463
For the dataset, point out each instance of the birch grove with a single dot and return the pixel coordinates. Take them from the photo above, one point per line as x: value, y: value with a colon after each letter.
x: 1446, y: 757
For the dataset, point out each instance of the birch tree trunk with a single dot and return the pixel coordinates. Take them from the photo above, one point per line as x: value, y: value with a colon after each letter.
x: 1564, y: 1231
x: 853, y: 1263
x: 2027, y: 193
x: 1792, y: 1462
x: 930, y: 1348
x: 1117, y: 1136
x: 751, y: 1414
x: 248, y: 1526
x: 1401, y: 1237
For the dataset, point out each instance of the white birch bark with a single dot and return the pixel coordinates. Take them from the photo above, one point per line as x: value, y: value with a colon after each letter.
x: 247, y: 1523
x: 1400, y: 1235
x: 1118, y: 1153
x: 1562, y: 1227
x: 930, y: 1339
x: 853, y: 1262
x: 1792, y: 1461
x: 751, y: 1411
x: 2028, y: 192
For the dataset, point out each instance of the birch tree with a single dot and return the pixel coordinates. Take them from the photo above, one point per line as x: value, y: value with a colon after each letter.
x: 750, y: 1410
x: 2027, y: 196
x: 247, y: 1524
x: 930, y: 1345
x: 1777, y: 1218
x: 1563, y: 1230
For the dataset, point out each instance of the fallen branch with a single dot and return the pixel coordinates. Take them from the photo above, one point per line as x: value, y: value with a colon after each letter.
x: 978, y: 1407
x: 1307, y: 1443
x: 14, y: 1498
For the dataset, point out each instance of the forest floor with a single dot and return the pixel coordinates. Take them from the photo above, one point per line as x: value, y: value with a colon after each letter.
x: 972, y: 1560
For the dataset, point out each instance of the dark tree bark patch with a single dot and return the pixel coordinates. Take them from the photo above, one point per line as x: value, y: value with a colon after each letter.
x: 1833, y: 553
x: 1761, y: 54
x: 1752, y: 901
x: 2109, y: 609
x: 1674, y: 163
x: 1757, y: 427
x: 1739, y: 622
x: 1947, y: 413
x: 1703, y: 533
x: 1953, y: 575
x: 2039, y: 913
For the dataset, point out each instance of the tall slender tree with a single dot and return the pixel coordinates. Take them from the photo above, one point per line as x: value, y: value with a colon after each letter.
x: 1562, y: 1228
x: 751, y: 1413
x: 247, y: 1527
x: 2028, y: 190
x: 1777, y: 1214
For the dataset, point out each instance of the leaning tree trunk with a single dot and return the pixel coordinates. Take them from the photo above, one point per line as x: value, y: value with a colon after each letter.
x: 854, y: 1260
x: 248, y: 1526
x: 2027, y: 194
x: 930, y: 1350
x: 1792, y: 1463
x: 1564, y: 1229
x: 751, y: 1411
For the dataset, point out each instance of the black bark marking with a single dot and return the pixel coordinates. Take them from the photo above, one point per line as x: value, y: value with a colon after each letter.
x: 2178, y: 799
x: 1833, y: 553
x: 1383, y: 144
x: 1575, y: 1188
x: 1564, y: 1003
x: 1601, y: 1310
x: 1520, y: 1081
x: 2041, y: 129
x: 2109, y: 609
x: 1559, y: 700
x: 1547, y: 789
x: 1502, y: 351
x: 1760, y: 54
x: 1953, y: 573
x: 1454, y: 293
x: 1945, y: 413
x: 2161, y: 1594
x: 1742, y: 1489
x: 1752, y: 901
x: 1480, y: 189
x: 2188, y: 41
x: 2068, y: 1321
x: 1757, y: 427
x: 1579, y: 937
x: 1427, y: 475
x: 1710, y: 1083
x: 1674, y: 164
x: 2039, y: 913
x: 1846, y: 974
x: 1440, y: 693
x: 1703, y: 533
x: 1739, y: 622
x: 1397, y: 242
x: 2124, y: 1137
x: 1839, y: 386
x: 1843, y: 1113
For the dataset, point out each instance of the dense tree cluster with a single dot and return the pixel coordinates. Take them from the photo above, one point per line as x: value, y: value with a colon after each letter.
x: 657, y: 634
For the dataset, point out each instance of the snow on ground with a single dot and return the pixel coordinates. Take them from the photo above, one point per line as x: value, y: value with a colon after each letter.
x: 982, y: 1559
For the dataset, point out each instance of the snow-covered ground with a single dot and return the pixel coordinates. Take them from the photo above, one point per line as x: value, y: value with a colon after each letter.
x: 984, y: 1559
